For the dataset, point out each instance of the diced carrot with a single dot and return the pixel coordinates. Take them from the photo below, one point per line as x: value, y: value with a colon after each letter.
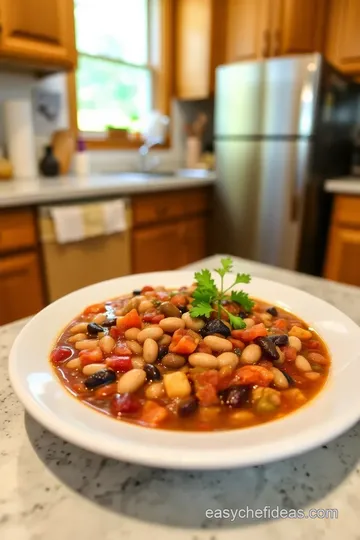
x: 290, y: 353
x: 117, y: 332
x: 186, y: 345
x: 313, y: 344
x: 250, y: 334
x: 318, y: 358
x: 79, y: 388
x: 265, y: 363
x: 179, y: 300
x: 211, y: 376
x: 147, y: 288
x: 237, y: 344
x: 130, y: 320
x: 281, y: 324
x: 94, y: 308
x: 105, y: 391
x: 153, y: 414
x: 93, y: 356
x: 249, y: 375
x: 207, y: 395
x: 121, y: 349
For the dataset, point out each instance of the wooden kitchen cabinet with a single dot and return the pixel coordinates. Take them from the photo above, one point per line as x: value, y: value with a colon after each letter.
x: 169, y: 239
x: 343, y: 249
x: 20, y: 287
x: 199, y: 46
x: 342, y: 35
x: 38, y: 34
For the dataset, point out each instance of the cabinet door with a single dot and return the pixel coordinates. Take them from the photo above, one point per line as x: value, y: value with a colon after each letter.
x: 248, y: 30
x: 195, y: 236
x: 299, y: 27
x: 342, y: 36
x: 39, y: 31
x: 160, y: 247
x: 20, y: 287
x: 343, y: 255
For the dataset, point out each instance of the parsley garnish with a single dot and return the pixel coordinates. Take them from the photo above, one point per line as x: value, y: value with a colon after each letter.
x: 208, y: 298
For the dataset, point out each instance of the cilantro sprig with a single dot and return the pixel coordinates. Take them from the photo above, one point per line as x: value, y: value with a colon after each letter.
x: 208, y: 298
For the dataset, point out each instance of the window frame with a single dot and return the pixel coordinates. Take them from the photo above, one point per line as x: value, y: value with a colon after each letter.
x: 160, y: 64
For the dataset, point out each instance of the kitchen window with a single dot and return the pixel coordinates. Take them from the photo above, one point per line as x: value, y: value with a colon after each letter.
x: 123, y: 68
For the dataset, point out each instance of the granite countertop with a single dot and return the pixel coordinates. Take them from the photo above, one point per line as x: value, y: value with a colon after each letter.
x: 65, y: 188
x: 53, y: 490
x: 347, y: 185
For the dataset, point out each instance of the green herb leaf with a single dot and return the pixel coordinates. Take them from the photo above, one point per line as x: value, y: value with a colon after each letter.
x: 206, y: 290
x: 242, y: 278
x: 236, y: 322
x: 226, y: 266
x: 201, y: 309
x: 242, y: 298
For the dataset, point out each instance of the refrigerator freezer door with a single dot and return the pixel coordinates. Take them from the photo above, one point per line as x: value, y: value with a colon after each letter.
x: 239, y: 99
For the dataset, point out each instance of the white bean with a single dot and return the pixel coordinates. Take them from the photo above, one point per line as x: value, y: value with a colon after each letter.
x: 99, y: 318
x: 251, y: 354
x: 79, y: 328
x: 137, y: 362
x: 203, y: 360
x: 170, y: 324
x: 86, y: 344
x: 228, y: 359
x: 295, y: 342
x: 281, y: 358
x: 165, y: 340
x: 312, y: 375
x: 107, y: 343
x: 145, y: 305
x: 150, y: 351
x: 218, y: 344
x: 134, y: 347
x: 74, y: 363
x: 90, y: 369
x: 153, y: 332
x: 132, y: 333
x: 191, y: 323
x: 280, y: 381
x: 302, y: 364
x: 249, y: 322
x: 77, y: 337
x: 131, y: 381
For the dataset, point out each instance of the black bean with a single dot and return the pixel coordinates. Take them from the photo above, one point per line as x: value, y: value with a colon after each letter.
x: 237, y: 351
x: 137, y: 292
x: 216, y: 326
x: 235, y: 396
x: 93, y: 329
x: 163, y: 350
x: 280, y: 339
x: 187, y: 406
x: 267, y: 347
x: 152, y: 373
x: 183, y: 309
x: 243, y: 314
x: 273, y: 311
x: 288, y: 377
x: 104, y: 376
x: 110, y: 321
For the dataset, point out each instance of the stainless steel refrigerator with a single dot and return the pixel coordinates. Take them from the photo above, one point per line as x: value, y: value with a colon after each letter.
x: 282, y: 127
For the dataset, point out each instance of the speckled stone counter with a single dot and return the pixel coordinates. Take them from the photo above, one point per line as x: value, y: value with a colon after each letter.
x: 51, y: 490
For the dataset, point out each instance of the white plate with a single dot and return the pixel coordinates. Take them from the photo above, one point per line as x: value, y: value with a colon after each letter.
x: 335, y: 409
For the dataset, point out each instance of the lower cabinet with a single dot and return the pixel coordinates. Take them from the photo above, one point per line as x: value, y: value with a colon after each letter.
x: 20, y: 287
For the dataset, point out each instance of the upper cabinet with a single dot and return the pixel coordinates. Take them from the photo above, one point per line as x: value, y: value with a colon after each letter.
x: 342, y: 35
x: 199, y: 46
x: 38, y: 34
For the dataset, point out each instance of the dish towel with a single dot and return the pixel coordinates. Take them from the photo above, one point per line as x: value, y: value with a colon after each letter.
x: 78, y: 222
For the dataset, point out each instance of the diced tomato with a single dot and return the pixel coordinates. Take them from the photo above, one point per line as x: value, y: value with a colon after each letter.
x: 313, y: 344
x: 179, y: 300
x: 265, y: 363
x: 117, y: 332
x: 250, y: 333
x: 153, y: 317
x: 281, y: 324
x: 202, y: 347
x: 94, y: 308
x: 290, y: 353
x: 79, y: 388
x: 249, y: 375
x: 178, y: 334
x: 186, y: 345
x: 206, y: 384
x: 237, y: 344
x: 211, y: 376
x: 125, y: 404
x: 119, y: 363
x: 60, y: 354
x: 130, y: 320
x: 105, y: 391
x: 121, y: 349
x: 207, y: 395
x: 92, y: 356
x: 153, y: 414
x: 147, y: 288
x: 317, y: 358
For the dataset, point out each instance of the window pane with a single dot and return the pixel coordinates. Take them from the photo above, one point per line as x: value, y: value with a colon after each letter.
x: 111, y: 94
x: 113, y: 28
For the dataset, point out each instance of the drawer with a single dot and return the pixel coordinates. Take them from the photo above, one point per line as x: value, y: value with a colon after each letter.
x: 347, y: 211
x: 17, y: 230
x: 160, y: 207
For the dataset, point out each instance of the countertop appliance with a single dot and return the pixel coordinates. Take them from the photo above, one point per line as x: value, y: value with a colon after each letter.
x: 282, y: 127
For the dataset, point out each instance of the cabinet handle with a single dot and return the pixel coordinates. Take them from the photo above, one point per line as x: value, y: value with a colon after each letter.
x: 277, y: 40
x: 266, y: 48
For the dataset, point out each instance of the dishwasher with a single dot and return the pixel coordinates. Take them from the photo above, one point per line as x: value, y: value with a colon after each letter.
x: 96, y: 257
